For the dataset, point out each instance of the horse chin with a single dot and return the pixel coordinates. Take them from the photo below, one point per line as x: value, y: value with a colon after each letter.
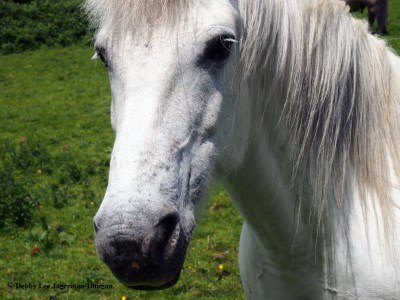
x: 163, y: 279
x: 147, y: 274
x: 149, y: 287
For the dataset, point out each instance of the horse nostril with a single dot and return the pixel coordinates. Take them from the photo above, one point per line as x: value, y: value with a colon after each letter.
x: 168, y: 223
x: 96, y: 228
x: 164, y: 235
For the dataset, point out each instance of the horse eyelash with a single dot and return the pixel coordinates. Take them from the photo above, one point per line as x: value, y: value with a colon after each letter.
x: 232, y: 40
x: 101, y: 54
x: 95, y: 56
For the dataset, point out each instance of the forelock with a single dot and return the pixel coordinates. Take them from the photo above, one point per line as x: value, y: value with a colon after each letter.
x: 134, y: 12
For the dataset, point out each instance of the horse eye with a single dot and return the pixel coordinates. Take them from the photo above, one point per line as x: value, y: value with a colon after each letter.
x: 101, y: 53
x: 219, y: 48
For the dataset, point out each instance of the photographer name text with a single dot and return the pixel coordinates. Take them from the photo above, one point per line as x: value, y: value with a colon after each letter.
x: 58, y: 286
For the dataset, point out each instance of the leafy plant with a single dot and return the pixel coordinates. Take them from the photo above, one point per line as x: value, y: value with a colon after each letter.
x: 17, y: 200
x: 29, y: 24
x: 28, y: 172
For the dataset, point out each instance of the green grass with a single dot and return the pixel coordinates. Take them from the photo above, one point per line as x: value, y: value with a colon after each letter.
x: 60, y: 99
x: 394, y: 25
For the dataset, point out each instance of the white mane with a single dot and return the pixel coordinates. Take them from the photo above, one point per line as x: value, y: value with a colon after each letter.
x: 342, y: 97
x: 130, y: 13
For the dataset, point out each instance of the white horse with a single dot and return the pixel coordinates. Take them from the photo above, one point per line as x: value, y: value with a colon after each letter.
x: 292, y: 103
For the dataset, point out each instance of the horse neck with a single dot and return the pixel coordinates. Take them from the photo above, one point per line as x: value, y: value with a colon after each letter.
x: 261, y: 189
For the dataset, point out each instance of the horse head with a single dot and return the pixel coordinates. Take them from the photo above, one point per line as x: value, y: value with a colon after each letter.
x: 172, y: 111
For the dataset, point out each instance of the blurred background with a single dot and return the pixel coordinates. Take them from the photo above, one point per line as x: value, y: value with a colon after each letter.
x: 55, y: 143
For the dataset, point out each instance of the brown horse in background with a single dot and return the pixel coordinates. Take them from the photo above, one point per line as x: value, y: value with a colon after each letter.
x: 377, y: 9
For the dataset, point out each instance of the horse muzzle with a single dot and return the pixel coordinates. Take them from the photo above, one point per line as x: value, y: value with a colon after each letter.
x: 142, y: 250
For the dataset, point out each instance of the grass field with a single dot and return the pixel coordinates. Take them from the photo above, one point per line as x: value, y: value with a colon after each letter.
x: 60, y: 99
